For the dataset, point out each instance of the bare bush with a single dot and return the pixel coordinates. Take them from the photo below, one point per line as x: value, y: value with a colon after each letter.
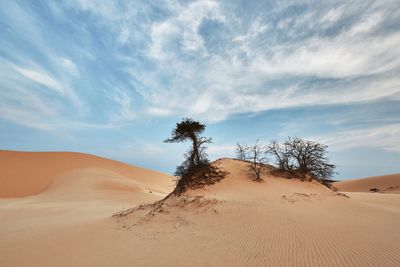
x: 281, y: 155
x: 256, y: 157
x: 302, y: 157
x: 241, y: 151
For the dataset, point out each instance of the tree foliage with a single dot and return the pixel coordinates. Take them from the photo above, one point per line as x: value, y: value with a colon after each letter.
x: 190, y: 130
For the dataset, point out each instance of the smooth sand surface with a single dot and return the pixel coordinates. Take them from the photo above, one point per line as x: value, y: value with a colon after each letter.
x: 237, y: 222
x: 384, y: 184
x: 30, y: 173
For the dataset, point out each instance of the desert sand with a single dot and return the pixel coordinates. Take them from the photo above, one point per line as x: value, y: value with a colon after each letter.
x: 57, y: 210
x: 385, y: 183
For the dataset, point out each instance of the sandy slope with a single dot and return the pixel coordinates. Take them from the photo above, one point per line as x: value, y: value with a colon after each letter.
x: 30, y: 173
x: 63, y: 187
x: 385, y: 184
x: 237, y: 222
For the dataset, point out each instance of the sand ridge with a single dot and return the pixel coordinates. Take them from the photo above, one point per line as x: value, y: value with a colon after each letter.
x: 384, y: 184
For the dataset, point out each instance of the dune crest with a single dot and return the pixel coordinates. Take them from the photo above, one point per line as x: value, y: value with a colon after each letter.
x: 30, y: 173
x: 384, y: 184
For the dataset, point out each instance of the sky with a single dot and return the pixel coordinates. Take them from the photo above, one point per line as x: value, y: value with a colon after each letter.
x: 112, y: 78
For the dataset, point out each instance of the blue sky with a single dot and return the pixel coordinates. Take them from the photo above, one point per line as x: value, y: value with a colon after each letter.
x: 113, y: 77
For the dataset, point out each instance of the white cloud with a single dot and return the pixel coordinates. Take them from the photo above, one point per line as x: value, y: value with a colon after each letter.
x: 243, y: 77
x: 343, y: 56
x: 125, y: 111
x: 23, y: 117
x: 332, y: 16
x: 367, y: 24
x: 159, y: 112
x: 30, y: 96
x: 40, y: 77
x: 331, y: 53
x: 180, y: 31
x: 384, y: 137
x: 69, y: 65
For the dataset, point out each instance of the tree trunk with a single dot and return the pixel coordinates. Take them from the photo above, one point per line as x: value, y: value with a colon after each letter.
x: 196, y: 157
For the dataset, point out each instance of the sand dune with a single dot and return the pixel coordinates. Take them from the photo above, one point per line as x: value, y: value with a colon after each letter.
x: 30, y: 173
x: 385, y: 184
x: 237, y: 222
x: 60, y: 188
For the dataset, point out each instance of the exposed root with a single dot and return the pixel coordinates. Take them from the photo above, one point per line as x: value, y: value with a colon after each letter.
x: 200, y: 177
x: 183, y: 202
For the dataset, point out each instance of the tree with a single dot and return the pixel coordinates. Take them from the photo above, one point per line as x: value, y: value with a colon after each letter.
x: 282, y: 155
x: 241, y: 151
x: 196, y: 170
x: 255, y: 155
x: 188, y: 129
x: 302, y: 157
x: 310, y: 158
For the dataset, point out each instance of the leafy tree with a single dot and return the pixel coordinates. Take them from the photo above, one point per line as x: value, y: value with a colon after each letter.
x: 196, y: 170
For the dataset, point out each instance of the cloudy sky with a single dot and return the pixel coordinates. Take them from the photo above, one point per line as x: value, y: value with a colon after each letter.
x: 113, y: 77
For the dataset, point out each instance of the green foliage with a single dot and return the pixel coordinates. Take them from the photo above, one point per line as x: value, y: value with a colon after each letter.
x: 196, y: 170
x: 187, y: 129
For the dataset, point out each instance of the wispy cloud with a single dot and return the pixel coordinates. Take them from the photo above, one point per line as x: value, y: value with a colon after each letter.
x: 69, y: 65
x: 32, y: 97
x: 308, y: 58
x: 384, y: 137
x: 41, y: 78
x: 125, y: 111
x: 214, y: 59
